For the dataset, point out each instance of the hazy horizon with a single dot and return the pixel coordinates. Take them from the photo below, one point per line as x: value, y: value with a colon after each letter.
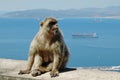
x: 15, y: 5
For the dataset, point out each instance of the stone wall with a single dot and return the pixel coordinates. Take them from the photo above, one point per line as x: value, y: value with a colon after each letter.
x: 9, y: 71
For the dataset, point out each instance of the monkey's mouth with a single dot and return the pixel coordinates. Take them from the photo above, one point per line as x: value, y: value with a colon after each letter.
x: 56, y: 32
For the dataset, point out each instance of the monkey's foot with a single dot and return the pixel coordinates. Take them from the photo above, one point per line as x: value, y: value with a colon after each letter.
x: 54, y: 73
x: 23, y: 72
x: 35, y: 73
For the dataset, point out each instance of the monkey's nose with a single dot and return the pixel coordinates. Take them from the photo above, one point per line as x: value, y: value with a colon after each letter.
x: 56, y: 26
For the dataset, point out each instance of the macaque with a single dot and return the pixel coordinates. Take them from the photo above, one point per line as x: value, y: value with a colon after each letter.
x: 48, y: 51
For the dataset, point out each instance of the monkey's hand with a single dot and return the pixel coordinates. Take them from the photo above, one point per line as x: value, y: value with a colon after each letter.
x: 24, y: 72
x: 54, y: 73
x: 35, y: 73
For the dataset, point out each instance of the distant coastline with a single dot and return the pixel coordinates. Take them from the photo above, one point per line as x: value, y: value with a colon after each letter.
x: 108, y: 12
x: 107, y: 17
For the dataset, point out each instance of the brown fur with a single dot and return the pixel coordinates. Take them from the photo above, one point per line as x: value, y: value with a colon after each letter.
x: 48, y: 50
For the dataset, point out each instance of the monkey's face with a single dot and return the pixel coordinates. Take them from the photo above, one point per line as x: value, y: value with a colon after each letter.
x: 50, y: 24
x: 54, y: 30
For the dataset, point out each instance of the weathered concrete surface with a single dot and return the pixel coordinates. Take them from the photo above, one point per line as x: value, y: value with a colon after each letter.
x: 9, y: 71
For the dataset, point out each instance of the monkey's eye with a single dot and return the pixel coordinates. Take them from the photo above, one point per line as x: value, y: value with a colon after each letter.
x: 52, y: 23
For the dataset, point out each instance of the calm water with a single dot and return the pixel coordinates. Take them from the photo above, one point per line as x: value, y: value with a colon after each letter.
x: 16, y: 35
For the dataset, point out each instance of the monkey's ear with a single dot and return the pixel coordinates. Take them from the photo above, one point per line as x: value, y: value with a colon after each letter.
x: 41, y: 24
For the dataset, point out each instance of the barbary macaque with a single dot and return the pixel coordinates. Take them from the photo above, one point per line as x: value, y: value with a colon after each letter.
x: 48, y: 51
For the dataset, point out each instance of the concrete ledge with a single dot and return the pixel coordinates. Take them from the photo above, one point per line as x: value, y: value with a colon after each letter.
x: 9, y: 71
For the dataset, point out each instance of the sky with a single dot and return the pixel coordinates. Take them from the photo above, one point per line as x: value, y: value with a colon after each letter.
x: 13, y: 5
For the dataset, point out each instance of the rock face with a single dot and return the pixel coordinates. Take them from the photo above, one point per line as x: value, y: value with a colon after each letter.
x: 9, y: 71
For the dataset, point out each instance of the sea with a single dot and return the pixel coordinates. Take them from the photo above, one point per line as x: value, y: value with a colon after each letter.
x: 16, y: 35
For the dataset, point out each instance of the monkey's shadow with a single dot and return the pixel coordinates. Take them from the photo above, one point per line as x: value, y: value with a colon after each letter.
x: 67, y: 70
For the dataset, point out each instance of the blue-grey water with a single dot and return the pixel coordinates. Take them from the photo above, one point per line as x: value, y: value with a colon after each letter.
x: 16, y: 35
